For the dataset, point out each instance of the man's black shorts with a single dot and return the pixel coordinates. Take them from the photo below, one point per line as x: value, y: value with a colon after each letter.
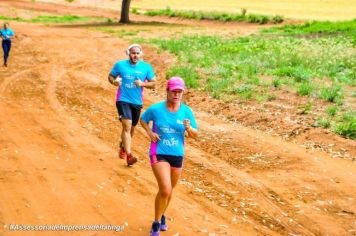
x: 129, y: 111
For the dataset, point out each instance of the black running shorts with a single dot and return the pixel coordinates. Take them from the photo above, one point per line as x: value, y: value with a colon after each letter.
x: 129, y: 111
x: 174, y: 161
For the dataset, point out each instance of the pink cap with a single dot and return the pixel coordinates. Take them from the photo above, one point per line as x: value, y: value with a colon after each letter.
x: 175, y: 83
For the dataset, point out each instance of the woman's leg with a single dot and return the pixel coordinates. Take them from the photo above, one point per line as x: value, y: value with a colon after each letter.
x: 175, y: 174
x: 162, y: 172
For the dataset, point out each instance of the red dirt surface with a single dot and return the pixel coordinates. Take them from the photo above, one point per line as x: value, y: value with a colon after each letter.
x: 250, y: 172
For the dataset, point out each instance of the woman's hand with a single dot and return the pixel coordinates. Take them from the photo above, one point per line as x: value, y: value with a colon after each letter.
x: 186, y: 123
x: 154, y: 136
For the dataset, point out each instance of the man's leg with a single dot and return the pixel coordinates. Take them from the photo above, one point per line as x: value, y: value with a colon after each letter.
x: 125, y: 118
x: 126, y: 139
x: 135, y: 113
x: 8, y: 49
x: 126, y: 134
x: 132, y: 130
x: 4, y: 48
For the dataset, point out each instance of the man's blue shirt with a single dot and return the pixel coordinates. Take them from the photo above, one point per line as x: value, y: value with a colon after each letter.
x: 128, y: 91
x: 6, y: 33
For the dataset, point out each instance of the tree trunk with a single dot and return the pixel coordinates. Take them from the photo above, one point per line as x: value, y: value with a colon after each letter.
x: 125, y: 11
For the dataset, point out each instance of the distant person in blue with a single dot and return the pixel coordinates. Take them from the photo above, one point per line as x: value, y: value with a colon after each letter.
x: 130, y: 76
x: 171, y: 119
x: 6, y: 34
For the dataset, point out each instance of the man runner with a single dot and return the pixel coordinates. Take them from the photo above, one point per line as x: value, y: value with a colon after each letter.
x: 130, y: 76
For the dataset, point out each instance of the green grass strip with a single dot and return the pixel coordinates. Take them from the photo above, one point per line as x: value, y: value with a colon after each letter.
x: 213, y: 15
x: 56, y: 19
x: 316, y: 27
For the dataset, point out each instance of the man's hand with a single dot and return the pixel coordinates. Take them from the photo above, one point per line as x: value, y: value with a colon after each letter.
x: 138, y: 83
x: 117, y: 81
x: 114, y: 81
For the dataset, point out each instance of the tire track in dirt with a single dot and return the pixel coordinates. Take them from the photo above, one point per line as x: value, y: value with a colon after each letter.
x: 15, y: 78
x: 245, y: 183
x: 266, y: 194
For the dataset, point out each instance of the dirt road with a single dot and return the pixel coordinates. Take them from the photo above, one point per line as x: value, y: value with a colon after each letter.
x: 59, y: 164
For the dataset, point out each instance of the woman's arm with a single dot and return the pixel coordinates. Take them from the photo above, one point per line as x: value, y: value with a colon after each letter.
x: 192, y: 133
x: 153, y: 136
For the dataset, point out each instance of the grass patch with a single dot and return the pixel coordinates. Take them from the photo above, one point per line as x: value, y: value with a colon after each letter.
x: 332, y: 94
x: 294, y: 60
x: 231, y: 68
x: 188, y: 73
x: 305, y: 108
x: 346, y: 129
x: 8, y: 18
x: 315, y: 27
x: 323, y: 123
x: 57, y: 19
x: 347, y: 125
x: 264, y: 97
x: 119, y: 33
x: 332, y: 110
x: 305, y: 89
x: 213, y: 15
x: 277, y: 82
x: 245, y: 91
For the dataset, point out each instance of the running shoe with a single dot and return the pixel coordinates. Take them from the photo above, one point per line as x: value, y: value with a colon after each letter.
x: 130, y: 159
x: 155, y: 229
x: 122, y: 153
x: 164, y: 226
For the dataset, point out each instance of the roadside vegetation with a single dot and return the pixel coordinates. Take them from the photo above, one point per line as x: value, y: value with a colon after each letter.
x: 212, y: 15
x: 57, y: 19
x: 316, y: 60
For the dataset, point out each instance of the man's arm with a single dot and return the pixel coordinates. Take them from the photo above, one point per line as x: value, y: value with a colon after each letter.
x: 112, y: 81
x: 146, y: 84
